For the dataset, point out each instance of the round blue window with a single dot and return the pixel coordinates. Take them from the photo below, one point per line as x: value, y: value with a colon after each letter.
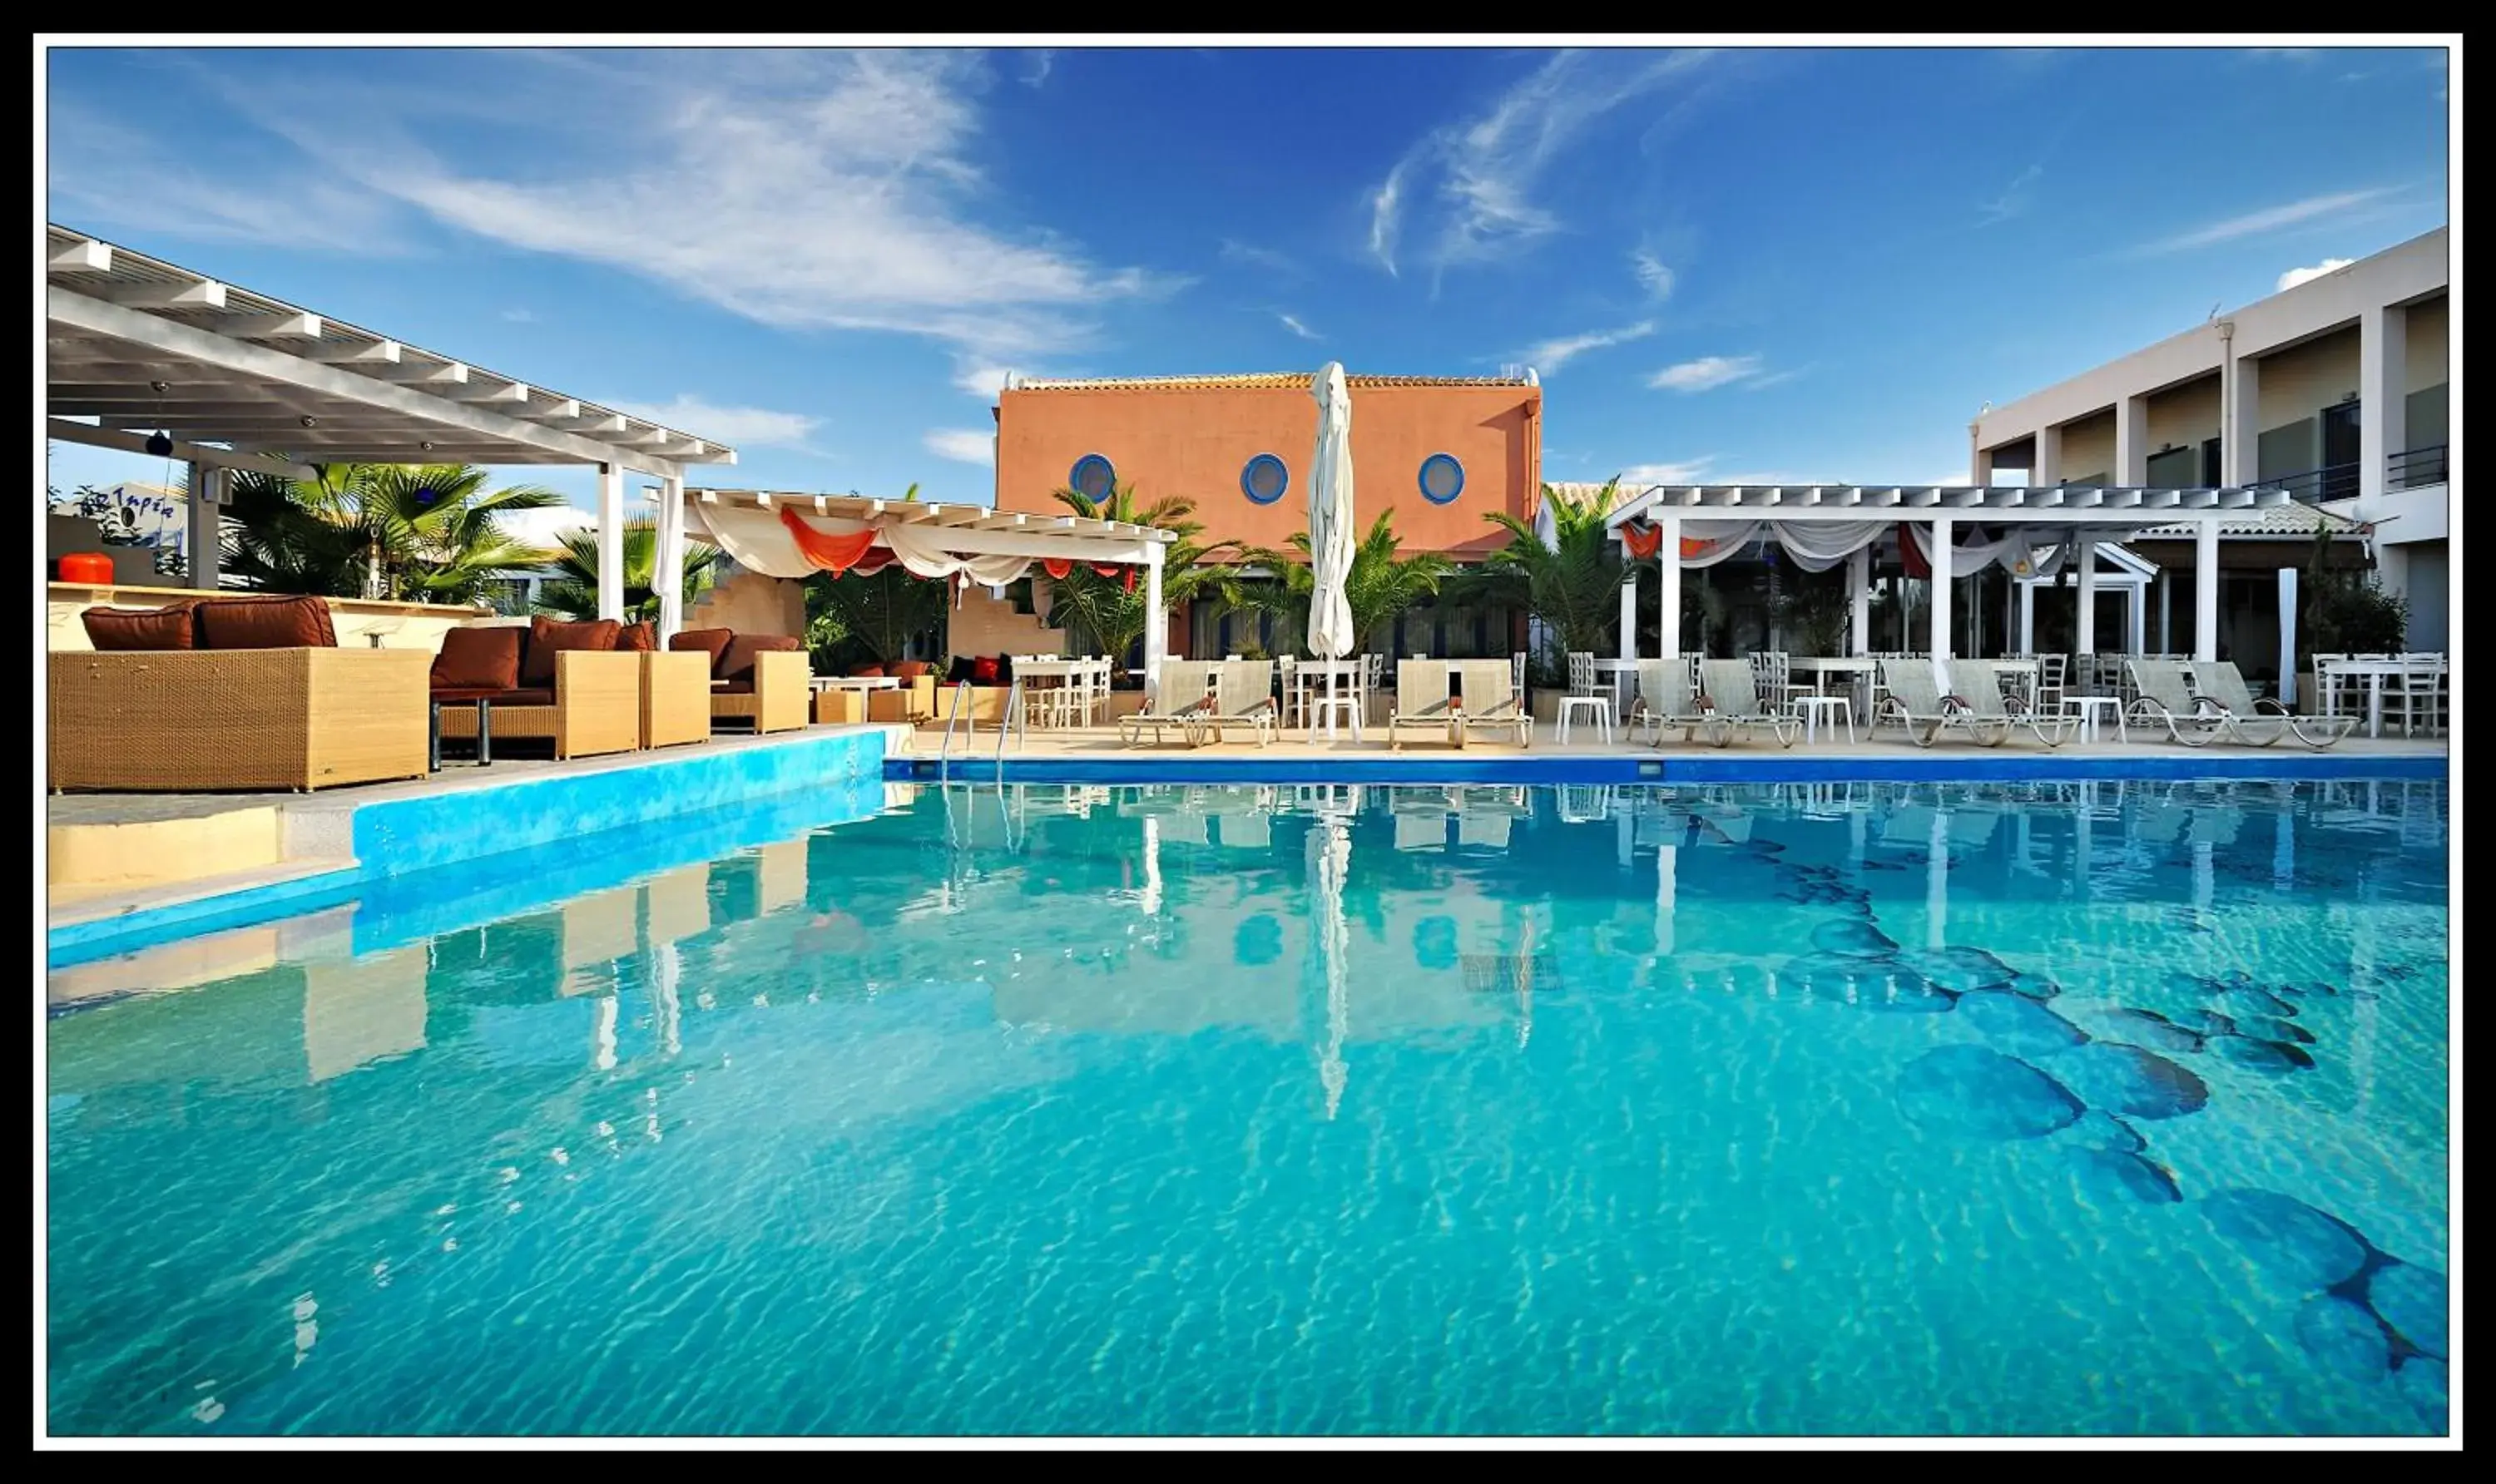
x: 1264, y: 479
x: 1442, y: 479
x: 1092, y: 477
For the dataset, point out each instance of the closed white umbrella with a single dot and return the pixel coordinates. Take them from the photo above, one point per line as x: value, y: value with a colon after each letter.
x: 1331, y: 525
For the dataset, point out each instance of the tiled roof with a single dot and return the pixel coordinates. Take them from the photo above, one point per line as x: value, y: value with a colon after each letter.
x: 1299, y: 380
x: 2278, y: 522
x: 1581, y: 490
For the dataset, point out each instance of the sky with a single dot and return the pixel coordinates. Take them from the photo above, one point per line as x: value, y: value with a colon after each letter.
x: 1739, y: 265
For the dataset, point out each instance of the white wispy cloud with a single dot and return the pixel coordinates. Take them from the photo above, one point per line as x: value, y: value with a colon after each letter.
x: 1473, y: 184
x: 1036, y: 66
x: 968, y: 445
x: 739, y: 427
x: 1689, y: 471
x: 982, y: 378
x: 1551, y: 354
x: 802, y: 189
x: 2013, y: 200
x: 1651, y: 273
x: 2297, y: 213
x: 1293, y: 324
x: 108, y: 177
x: 1250, y: 255
x: 1706, y: 373
x: 2294, y: 276
x: 520, y: 316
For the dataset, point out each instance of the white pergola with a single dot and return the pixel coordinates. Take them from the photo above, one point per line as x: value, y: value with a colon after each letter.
x: 920, y: 531
x: 2087, y: 513
x: 137, y: 347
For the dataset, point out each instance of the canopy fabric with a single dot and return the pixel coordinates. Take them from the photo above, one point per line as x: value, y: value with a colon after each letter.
x: 1814, y: 548
x: 782, y: 543
x: 1329, y: 635
x: 2018, y: 552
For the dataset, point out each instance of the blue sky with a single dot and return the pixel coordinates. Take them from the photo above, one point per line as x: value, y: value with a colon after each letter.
x: 1763, y: 265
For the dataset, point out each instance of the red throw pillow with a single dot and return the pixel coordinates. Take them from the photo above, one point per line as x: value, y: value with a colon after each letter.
x: 641, y: 639
x: 263, y: 623
x: 480, y: 657
x: 710, y: 642
x: 120, y: 629
x: 737, y: 662
x: 868, y: 672
x: 983, y: 670
x: 549, y: 636
x: 911, y: 669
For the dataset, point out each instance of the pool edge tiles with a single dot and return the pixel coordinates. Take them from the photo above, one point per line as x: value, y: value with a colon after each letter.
x: 470, y: 824
x: 1452, y: 768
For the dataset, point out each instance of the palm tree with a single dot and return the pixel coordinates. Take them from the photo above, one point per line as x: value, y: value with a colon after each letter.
x: 1574, y: 585
x: 1380, y: 586
x: 573, y: 591
x: 1112, y: 613
x: 880, y: 611
x: 427, y: 533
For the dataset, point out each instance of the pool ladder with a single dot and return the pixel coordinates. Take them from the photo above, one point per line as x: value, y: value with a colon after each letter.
x: 1014, y: 723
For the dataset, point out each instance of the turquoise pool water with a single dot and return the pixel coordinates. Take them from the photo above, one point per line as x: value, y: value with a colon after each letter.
x: 2108, y: 1108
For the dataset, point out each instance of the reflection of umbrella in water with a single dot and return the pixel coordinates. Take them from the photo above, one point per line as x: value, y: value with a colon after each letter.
x: 1330, y: 859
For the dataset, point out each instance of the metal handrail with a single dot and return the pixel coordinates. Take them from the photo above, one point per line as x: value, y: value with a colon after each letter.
x: 961, y: 712
x: 1014, y: 724
x: 2331, y: 482
x: 2413, y: 467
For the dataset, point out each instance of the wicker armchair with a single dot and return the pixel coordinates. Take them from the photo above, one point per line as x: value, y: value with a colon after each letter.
x: 776, y: 699
x: 179, y: 721
x: 596, y: 707
x: 676, y: 697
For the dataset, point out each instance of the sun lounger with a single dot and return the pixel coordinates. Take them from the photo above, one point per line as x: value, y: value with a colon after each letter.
x: 1490, y: 702
x: 1917, y: 701
x: 1978, y: 684
x: 1667, y: 700
x: 1242, y: 697
x: 2258, y: 723
x: 1184, y: 694
x: 1733, y: 690
x: 1421, y: 702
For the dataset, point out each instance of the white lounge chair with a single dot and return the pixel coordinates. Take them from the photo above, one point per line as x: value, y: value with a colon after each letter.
x: 1915, y: 700
x: 1980, y: 685
x: 1421, y: 701
x: 2204, y: 703
x: 1731, y: 689
x: 1667, y: 700
x: 1490, y: 700
x: 1184, y: 694
x: 1242, y: 697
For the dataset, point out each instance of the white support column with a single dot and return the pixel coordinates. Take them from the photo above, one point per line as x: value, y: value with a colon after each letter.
x: 207, y: 505
x: 2288, y: 636
x: 2131, y: 442
x: 1156, y: 624
x: 1629, y: 604
x: 2382, y: 397
x: 1668, y: 599
x: 1858, y: 601
x: 2166, y: 611
x: 611, y: 541
x: 2239, y: 418
x: 2206, y: 589
x: 2047, y: 468
x: 2084, y: 618
x: 2027, y: 618
x: 1943, y: 536
x: 667, y: 566
x: 2135, y: 609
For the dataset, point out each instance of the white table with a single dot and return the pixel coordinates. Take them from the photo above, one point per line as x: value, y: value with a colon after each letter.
x: 2375, y: 672
x: 1092, y: 674
x: 1622, y: 674
x: 2086, y: 708
x: 1838, y: 707
x: 854, y: 683
x: 1819, y: 668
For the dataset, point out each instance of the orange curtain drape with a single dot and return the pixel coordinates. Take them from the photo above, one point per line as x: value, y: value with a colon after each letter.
x: 1912, y: 556
x: 834, y: 554
x: 1642, y: 542
x: 1056, y: 566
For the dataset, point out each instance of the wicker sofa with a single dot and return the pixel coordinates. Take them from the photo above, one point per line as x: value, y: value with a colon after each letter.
x: 758, y: 682
x: 216, y: 693
x: 576, y: 687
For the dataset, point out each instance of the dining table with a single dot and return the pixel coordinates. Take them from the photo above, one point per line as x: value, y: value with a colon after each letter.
x: 2374, y: 672
x: 1089, y: 675
x: 1314, y: 678
x: 1622, y: 677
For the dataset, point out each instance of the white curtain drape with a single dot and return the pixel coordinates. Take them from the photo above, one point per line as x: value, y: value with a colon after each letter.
x: 1817, y: 545
x: 2016, y: 550
x: 1716, y: 541
x: 755, y: 539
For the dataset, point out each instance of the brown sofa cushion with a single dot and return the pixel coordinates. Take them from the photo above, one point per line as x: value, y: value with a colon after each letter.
x: 866, y: 671
x: 263, y: 623
x: 911, y: 669
x: 115, y: 629
x: 713, y: 642
x: 641, y: 639
x: 737, y: 662
x: 550, y: 636
x: 475, y: 656
x: 500, y: 695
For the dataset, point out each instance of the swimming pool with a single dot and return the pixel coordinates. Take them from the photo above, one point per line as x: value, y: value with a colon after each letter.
x: 2068, y: 1107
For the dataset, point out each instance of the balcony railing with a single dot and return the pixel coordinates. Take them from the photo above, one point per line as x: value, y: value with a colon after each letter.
x: 2414, y: 467
x: 2332, y: 481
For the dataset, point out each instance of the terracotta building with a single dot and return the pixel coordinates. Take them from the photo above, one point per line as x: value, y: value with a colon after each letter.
x: 1441, y: 451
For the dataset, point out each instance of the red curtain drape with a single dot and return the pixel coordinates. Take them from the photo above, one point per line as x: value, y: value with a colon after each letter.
x: 1911, y: 556
x: 1642, y: 542
x: 834, y: 554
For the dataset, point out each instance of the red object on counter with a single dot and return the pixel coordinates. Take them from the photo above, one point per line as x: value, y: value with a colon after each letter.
x: 92, y: 566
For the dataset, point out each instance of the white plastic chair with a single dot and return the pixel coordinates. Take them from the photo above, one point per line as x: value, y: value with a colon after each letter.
x: 1584, y: 697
